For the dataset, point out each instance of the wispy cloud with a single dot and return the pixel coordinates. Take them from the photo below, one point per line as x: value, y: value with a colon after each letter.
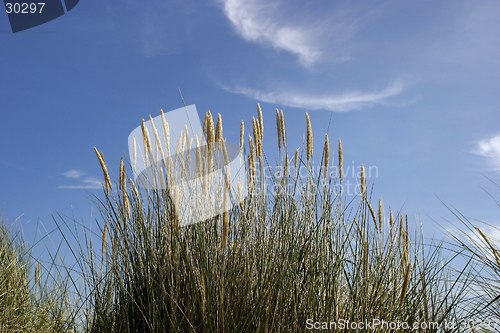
x: 75, y: 174
x: 87, y: 183
x: 257, y: 21
x: 490, y: 149
x: 348, y: 101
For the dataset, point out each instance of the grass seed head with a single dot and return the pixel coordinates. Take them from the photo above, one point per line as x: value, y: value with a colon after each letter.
x: 210, y: 129
x: 147, y: 143
x: 158, y: 145
x: 283, y: 130
x: 380, y: 214
x: 391, y: 222
x: 251, y: 159
x: 372, y: 212
x: 107, y: 180
x: 278, y: 127
x: 261, y: 121
x: 309, y: 139
x: 493, y: 249
x: 166, y: 130
x: 406, y: 280
x: 242, y: 135
x: 296, y: 161
x: 218, y: 130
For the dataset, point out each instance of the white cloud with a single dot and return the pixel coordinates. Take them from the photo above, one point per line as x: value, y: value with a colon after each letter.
x: 88, y: 183
x: 255, y: 22
x: 490, y: 149
x: 75, y: 174
x: 354, y: 100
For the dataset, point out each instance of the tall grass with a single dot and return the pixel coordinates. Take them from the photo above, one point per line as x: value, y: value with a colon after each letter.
x: 304, y: 251
x: 474, y: 241
x: 33, y: 295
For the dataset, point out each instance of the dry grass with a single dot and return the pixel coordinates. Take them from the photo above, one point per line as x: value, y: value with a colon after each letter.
x: 266, y: 265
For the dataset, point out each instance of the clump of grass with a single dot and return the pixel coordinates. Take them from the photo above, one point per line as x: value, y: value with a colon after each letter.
x: 34, y: 295
x: 474, y: 245
x: 269, y: 264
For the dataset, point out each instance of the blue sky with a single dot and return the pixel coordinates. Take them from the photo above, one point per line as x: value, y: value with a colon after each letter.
x: 410, y: 87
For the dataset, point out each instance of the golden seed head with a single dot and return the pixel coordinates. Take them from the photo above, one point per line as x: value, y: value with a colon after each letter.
x: 341, y: 161
x: 278, y: 127
x: 158, y: 145
x: 407, y: 230
x: 401, y: 229
x: 136, y: 191
x: 496, y: 253
x: 257, y: 137
x: 256, y: 133
x: 486, y: 239
x: 147, y: 142
x: 250, y: 143
x: 296, y: 160
x: 218, y: 130
x: 126, y: 204
x: 261, y: 121
x: 205, y: 124
x: 372, y: 212
x: 107, y: 180
x: 283, y: 132
x: 380, y: 214
x: 242, y: 135
x: 210, y: 128
x: 104, y: 236
x: 122, y: 174
x: 405, y: 282
x: 309, y: 139
x: 166, y: 130
x: 251, y: 158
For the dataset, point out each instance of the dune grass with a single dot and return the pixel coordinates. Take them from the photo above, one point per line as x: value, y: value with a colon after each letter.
x: 33, y: 298
x: 276, y: 261
x: 473, y: 240
x: 297, y: 253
